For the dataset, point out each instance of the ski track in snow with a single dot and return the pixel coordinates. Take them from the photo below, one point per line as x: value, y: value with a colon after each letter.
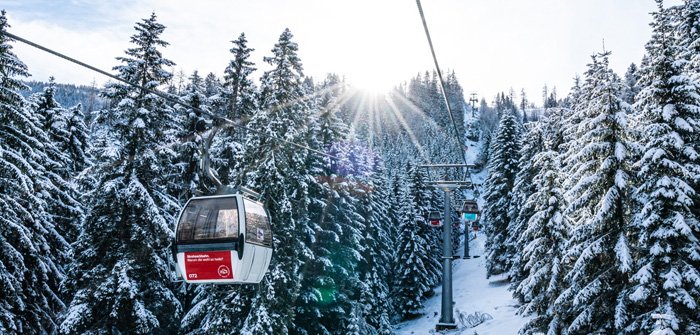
x: 472, y: 292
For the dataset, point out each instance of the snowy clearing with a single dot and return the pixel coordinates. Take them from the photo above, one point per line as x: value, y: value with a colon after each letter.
x: 472, y: 293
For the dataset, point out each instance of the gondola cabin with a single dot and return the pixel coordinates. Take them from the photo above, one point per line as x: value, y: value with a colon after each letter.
x: 470, y: 210
x: 223, y: 239
x: 435, y: 219
x: 475, y: 226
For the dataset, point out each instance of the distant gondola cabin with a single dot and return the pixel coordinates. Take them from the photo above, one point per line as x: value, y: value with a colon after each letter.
x: 435, y: 219
x: 470, y: 210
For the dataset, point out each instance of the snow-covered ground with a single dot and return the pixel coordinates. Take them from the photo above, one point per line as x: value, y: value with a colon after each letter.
x: 472, y: 292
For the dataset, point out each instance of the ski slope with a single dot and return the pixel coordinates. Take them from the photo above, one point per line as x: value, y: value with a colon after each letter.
x: 472, y: 292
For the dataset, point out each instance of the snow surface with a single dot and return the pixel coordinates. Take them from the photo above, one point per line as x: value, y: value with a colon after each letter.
x: 472, y: 292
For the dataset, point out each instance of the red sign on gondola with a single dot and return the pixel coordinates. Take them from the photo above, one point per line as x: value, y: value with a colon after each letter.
x: 208, y: 265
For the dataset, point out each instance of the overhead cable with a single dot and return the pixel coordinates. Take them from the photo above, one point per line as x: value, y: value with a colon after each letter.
x: 165, y: 96
x: 442, y: 81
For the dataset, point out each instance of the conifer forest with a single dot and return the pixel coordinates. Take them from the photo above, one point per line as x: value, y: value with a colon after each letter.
x: 589, y: 201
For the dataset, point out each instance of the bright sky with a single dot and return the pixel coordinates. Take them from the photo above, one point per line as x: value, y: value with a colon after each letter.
x: 492, y: 45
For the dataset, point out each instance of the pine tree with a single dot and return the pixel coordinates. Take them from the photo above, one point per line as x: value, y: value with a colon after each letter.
x: 331, y: 280
x: 239, y: 102
x: 279, y: 173
x: 631, y: 89
x: 119, y: 278
x: 31, y: 247
x: 191, y: 132
x: 65, y: 210
x: 393, y: 214
x: 455, y: 94
x: 688, y: 35
x: 424, y: 201
x: 218, y: 310
x: 238, y: 86
x: 523, y: 105
x: 78, y: 147
x: 543, y: 239
x: 598, y: 244
x: 212, y: 85
x: 521, y: 210
x: 503, y: 167
x: 572, y: 117
x: 412, y: 280
x: 666, y: 278
x: 53, y: 120
x: 377, y: 254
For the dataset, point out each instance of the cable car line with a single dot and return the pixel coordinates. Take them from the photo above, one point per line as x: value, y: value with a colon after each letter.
x: 442, y: 81
x: 167, y: 97
x: 444, y: 92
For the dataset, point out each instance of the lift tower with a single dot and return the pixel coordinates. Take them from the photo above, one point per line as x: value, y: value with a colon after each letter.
x: 447, y: 185
x: 473, y: 100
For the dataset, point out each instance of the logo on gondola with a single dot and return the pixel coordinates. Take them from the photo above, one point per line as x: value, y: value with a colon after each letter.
x: 224, y: 271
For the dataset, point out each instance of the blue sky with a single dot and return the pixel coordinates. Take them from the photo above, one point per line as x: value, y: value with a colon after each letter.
x: 492, y: 45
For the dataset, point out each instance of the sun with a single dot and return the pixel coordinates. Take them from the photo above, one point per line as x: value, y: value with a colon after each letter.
x: 374, y: 83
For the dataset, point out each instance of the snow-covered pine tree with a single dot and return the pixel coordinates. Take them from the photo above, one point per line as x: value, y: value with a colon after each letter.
x: 192, y: 125
x: 412, y: 280
x: 393, y: 214
x: 423, y: 199
x: 218, y: 310
x: 503, y: 167
x: 65, y: 210
x: 120, y: 275
x: 29, y: 268
x: 239, y: 103
x: 688, y: 35
x: 578, y: 99
x: 79, y: 147
x: 432, y: 102
x: 666, y: 278
x: 52, y: 117
x: 238, y: 85
x: 598, y: 244
x: 212, y: 85
x: 279, y: 173
x: 630, y: 89
x: 377, y: 256
x: 455, y: 94
x: 521, y: 210
x: 544, y: 236
x: 395, y: 207
x: 458, y: 228
x: 331, y: 280
x: 523, y: 105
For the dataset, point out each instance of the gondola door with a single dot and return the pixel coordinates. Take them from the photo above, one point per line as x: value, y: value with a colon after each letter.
x: 258, y: 240
x: 208, y: 240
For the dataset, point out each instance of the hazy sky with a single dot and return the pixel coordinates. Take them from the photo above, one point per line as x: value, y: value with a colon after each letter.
x: 492, y: 45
